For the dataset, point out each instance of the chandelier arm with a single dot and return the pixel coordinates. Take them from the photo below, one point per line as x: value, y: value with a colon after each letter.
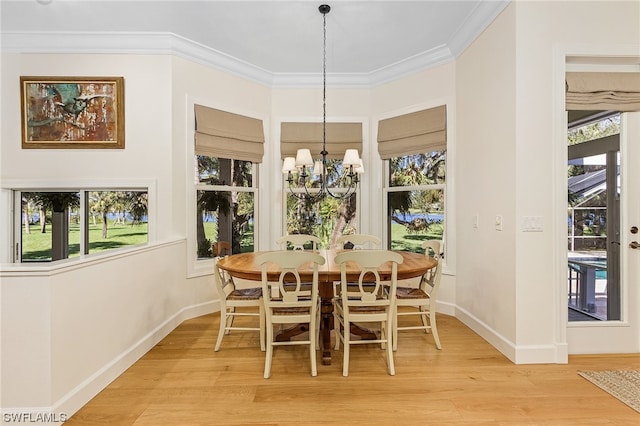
x: 306, y: 195
x: 351, y: 189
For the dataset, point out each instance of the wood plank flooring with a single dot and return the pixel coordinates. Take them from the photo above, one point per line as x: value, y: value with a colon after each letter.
x: 182, y: 381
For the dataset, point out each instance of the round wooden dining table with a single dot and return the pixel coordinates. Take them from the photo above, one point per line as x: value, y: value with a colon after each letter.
x: 244, y: 266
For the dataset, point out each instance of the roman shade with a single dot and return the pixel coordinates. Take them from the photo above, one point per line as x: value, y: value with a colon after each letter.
x: 603, y: 91
x: 340, y: 137
x: 414, y: 133
x: 227, y: 135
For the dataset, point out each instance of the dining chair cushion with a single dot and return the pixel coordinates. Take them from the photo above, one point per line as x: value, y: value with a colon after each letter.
x: 245, y: 294
x: 291, y: 311
x: 410, y: 293
x: 362, y: 309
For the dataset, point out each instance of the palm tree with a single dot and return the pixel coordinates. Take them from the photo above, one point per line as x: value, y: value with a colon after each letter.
x: 58, y: 203
x: 101, y: 202
x: 136, y: 203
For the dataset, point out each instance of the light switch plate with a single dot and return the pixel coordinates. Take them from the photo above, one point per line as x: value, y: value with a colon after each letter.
x: 499, y: 222
x: 532, y: 224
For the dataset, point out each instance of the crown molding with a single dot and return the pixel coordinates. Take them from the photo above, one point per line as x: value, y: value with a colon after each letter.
x: 160, y: 43
x: 483, y: 15
x: 134, y: 43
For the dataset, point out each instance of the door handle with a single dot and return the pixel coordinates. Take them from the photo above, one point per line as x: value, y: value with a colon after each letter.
x: 634, y: 245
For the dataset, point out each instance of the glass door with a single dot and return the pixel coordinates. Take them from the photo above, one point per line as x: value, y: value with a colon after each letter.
x: 593, y: 219
x: 603, y: 217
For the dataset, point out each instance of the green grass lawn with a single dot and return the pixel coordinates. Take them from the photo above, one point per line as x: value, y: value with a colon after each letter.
x: 37, y: 246
x: 401, y: 239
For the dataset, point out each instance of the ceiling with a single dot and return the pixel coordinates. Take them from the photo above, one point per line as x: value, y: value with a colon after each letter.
x: 367, y: 41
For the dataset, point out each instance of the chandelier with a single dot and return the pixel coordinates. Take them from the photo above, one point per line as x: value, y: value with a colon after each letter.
x: 315, y: 172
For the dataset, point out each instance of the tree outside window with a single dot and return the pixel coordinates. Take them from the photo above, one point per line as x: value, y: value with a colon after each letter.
x: 225, y: 204
x: 327, y: 218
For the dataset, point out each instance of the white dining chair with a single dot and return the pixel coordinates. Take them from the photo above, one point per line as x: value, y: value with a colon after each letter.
x: 368, y: 304
x: 232, y: 298
x: 421, y: 301
x: 292, y: 303
x: 298, y: 241
x: 358, y: 241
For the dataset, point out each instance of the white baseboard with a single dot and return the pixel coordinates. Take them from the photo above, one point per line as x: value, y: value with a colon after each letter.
x: 495, y: 339
x: 522, y: 354
x: 85, y: 391
x: 446, y: 308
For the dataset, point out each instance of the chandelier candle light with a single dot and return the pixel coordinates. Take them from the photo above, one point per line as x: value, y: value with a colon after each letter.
x: 304, y: 161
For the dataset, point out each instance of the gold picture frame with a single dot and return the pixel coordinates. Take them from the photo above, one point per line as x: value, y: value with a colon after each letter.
x: 72, y: 112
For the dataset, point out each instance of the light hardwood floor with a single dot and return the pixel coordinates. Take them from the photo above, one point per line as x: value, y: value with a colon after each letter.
x: 182, y: 381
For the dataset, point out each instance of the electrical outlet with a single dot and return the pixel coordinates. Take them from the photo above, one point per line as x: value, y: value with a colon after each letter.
x: 499, y: 222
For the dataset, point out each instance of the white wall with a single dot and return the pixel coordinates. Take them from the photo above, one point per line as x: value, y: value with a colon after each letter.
x: 510, y: 284
x: 485, y: 89
x: 69, y: 329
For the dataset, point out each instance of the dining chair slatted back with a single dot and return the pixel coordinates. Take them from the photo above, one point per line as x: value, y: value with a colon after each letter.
x: 298, y: 241
x: 358, y: 241
x: 355, y: 242
x: 293, y: 303
x: 365, y: 302
x: 232, y: 298
x: 421, y: 301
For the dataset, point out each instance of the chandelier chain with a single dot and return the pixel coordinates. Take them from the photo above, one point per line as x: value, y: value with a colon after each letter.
x: 324, y: 83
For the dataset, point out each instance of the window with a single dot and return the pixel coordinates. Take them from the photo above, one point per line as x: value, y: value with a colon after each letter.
x: 56, y: 225
x: 414, y: 146
x: 225, y: 204
x: 416, y: 200
x: 228, y: 147
x: 328, y: 218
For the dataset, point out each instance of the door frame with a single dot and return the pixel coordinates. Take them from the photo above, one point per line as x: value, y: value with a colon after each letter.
x: 582, y: 338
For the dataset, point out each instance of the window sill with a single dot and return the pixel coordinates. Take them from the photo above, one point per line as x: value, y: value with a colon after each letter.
x: 65, y: 265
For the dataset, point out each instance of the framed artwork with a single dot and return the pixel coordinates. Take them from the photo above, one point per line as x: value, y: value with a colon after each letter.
x: 72, y: 112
